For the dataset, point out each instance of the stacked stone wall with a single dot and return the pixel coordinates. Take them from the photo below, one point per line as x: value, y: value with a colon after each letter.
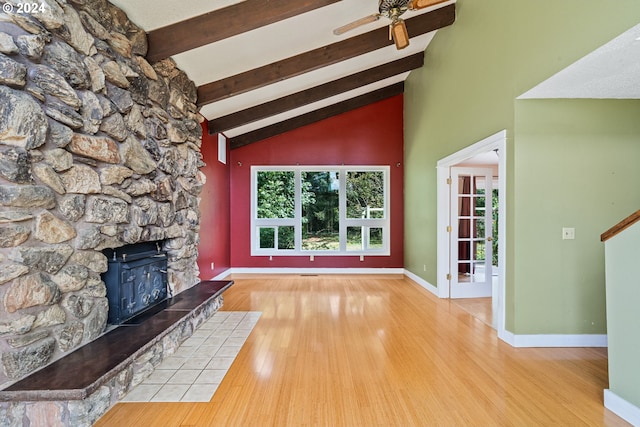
x: 98, y: 149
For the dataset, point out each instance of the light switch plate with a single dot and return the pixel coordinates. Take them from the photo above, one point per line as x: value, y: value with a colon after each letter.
x: 568, y: 233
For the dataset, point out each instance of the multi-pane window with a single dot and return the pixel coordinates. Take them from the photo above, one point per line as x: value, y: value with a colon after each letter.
x: 309, y: 210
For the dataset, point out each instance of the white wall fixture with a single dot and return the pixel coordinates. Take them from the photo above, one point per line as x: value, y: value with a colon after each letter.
x: 222, y: 148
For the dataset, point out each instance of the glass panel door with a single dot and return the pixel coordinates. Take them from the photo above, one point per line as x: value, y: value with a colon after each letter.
x: 471, y: 232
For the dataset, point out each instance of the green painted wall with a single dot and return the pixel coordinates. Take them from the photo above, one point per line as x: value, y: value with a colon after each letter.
x: 466, y: 91
x: 576, y: 165
x: 623, y: 298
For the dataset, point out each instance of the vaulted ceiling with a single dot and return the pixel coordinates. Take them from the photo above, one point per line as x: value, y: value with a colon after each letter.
x: 266, y: 67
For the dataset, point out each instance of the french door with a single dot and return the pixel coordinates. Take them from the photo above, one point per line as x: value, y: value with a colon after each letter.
x: 471, y: 232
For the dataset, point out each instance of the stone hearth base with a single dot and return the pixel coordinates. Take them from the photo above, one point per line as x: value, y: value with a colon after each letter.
x: 79, y: 388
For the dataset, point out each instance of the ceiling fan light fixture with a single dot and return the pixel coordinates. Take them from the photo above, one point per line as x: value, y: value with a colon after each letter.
x: 421, y: 4
x: 399, y: 33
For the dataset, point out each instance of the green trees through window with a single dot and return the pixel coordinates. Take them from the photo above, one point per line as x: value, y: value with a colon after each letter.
x: 320, y: 211
x: 480, y: 249
x: 276, y: 194
x: 365, y: 199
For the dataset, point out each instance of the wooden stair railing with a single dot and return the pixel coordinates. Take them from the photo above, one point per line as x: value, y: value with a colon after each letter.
x: 622, y: 225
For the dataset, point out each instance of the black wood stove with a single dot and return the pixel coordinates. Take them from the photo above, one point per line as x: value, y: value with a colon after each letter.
x: 136, y: 279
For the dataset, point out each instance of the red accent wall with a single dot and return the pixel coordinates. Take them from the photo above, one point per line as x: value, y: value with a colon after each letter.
x: 215, y: 223
x: 371, y: 135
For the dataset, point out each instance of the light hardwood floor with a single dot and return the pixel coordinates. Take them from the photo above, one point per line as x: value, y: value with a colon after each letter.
x: 480, y: 308
x: 381, y: 351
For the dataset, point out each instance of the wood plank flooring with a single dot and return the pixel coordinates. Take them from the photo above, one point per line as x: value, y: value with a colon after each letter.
x: 480, y: 308
x: 381, y: 351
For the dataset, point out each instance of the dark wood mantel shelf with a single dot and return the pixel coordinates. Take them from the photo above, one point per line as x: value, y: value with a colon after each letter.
x: 80, y: 373
x: 622, y: 225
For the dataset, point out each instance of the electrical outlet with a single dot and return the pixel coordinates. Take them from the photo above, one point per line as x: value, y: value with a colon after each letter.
x: 361, y: 257
x: 213, y: 265
x: 310, y: 257
x: 568, y: 233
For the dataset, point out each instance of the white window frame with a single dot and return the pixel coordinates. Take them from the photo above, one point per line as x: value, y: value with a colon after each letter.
x: 296, y: 222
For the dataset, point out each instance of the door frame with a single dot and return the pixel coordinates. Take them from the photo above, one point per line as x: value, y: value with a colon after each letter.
x: 497, y: 141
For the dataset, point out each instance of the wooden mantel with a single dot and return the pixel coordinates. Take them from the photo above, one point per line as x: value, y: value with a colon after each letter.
x: 622, y: 225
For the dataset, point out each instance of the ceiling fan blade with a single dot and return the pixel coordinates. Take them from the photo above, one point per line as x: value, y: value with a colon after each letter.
x: 355, y: 24
x: 399, y: 33
x: 421, y: 4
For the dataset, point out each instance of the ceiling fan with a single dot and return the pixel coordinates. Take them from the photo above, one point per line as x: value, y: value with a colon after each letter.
x: 391, y: 9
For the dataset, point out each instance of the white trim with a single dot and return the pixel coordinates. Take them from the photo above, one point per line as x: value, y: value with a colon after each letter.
x: 621, y: 407
x: 496, y: 141
x: 507, y: 337
x: 420, y: 281
x: 296, y: 270
x: 222, y: 275
x: 554, y: 340
x: 443, y: 237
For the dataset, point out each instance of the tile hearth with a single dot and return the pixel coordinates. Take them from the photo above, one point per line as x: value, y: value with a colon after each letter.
x: 194, y: 371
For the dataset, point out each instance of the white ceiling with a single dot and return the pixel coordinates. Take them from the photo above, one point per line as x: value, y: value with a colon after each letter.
x: 272, y: 43
x: 611, y: 71
x: 490, y: 158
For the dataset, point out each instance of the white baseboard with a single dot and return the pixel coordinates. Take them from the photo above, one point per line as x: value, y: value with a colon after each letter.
x: 554, y: 340
x: 420, y: 281
x: 621, y: 407
x: 287, y: 270
x: 222, y: 275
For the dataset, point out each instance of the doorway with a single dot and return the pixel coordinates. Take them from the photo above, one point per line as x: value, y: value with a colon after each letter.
x: 470, y: 230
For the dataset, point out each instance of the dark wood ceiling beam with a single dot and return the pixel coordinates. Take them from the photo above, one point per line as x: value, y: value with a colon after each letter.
x: 317, y: 93
x: 321, y: 57
x: 222, y: 23
x: 316, y: 116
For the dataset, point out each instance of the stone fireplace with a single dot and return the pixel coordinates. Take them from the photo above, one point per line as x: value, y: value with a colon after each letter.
x: 98, y: 149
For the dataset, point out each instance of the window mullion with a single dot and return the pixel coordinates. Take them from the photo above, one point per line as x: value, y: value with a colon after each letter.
x: 342, y: 208
x: 386, y: 234
x: 254, y: 208
x: 298, y: 210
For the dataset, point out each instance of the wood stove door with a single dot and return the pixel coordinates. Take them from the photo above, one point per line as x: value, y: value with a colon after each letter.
x: 143, y: 285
